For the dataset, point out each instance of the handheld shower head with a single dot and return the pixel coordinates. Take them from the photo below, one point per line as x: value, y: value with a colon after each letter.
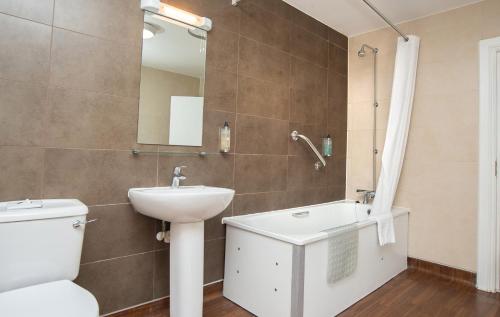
x: 362, y: 52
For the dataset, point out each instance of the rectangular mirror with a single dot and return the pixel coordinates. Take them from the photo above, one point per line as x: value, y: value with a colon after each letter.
x: 172, y: 82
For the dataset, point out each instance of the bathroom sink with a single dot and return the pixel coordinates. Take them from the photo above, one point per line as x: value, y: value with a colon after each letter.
x: 186, y: 208
x: 183, y: 204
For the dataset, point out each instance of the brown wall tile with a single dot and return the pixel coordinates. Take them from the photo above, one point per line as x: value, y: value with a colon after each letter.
x: 338, y: 38
x: 309, y: 46
x: 21, y: 108
x: 261, y: 98
x: 214, y: 170
x: 337, y: 60
x: 309, y: 23
x: 84, y: 119
x: 256, y: 135
x: 261, y: 202
x: 96, y: 177
x: 260, y: 173
x: 220, y: 90
x: 161, y: 282
x: 21, y: 173
x: 83, y: 62
x: 25, y: 53
x: 264, y: 26
x: 222, y: 50
x: 214, y: 260
x: 263, y: 62
x: 309, y: 93
x: 302, y: 174
x: 214, y: 228
x: 114, y: 20
x: 118, y: 231
x: 306, y: 197
x: 36, y: 10
x: 278, y: 7
x: 120, y: 282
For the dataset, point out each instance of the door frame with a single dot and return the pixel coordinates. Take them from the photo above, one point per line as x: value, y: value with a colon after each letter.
x: 488, y: 242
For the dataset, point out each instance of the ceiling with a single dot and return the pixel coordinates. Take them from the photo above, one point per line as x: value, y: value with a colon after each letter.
x: 173, y: 49
x: 353, y: 17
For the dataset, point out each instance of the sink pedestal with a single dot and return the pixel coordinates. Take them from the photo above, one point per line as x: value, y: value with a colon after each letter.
x: 186, y: 269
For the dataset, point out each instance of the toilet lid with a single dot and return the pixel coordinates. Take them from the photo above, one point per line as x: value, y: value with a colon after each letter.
x: 54, y: 299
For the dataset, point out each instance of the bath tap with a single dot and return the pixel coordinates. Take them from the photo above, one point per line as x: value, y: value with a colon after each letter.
x: 177, y: 176
x: 367, y: 195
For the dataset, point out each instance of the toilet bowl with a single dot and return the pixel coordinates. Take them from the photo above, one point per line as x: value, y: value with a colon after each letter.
x: 54, y: 299
x: 41, y: 244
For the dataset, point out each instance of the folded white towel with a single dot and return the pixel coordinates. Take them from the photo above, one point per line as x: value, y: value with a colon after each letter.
x: 385, y: 227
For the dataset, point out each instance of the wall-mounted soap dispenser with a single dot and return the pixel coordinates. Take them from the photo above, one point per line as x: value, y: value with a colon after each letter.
x: 225, y: 138
x: 327, y: 145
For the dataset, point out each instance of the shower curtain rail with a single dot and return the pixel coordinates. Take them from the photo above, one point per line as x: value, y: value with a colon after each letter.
x: 368, y: 3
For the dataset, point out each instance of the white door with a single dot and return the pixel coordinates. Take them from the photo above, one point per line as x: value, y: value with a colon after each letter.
x: 496, y: 101
x: 488, y: 256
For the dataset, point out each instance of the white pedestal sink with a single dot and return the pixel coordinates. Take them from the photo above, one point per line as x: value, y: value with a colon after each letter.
x: 186, y: 208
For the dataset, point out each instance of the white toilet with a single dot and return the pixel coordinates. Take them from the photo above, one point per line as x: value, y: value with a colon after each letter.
x: 40, y: 248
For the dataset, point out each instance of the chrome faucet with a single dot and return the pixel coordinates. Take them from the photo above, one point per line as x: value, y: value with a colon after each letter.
x: 177, y: 176
x: 367, y: 195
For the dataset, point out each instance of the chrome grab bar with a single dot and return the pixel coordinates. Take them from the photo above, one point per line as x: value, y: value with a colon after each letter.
x: 296, y: 136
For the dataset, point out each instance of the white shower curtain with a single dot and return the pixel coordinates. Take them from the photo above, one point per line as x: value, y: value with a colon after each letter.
x: 403, y: 88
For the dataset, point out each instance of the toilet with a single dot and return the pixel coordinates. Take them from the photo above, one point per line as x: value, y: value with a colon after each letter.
x: 40, y: 248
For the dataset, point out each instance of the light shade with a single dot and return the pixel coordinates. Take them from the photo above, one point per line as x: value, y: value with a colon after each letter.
x: 149, y: 31
x: 177, y: 14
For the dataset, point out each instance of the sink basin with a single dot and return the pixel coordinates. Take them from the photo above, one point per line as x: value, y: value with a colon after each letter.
x: 183, y: 204
x: 186, y: 208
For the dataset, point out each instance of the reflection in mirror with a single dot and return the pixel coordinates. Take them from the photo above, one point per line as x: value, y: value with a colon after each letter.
x: 172, y: 82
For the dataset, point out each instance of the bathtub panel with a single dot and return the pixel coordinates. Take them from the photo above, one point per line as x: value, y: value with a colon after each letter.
x: 257, y: 273
x: 300, y: 279
x: 376, y: 266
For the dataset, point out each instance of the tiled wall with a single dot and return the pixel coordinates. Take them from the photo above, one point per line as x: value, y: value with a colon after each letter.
x: 439, y: 178
x: 69, y: 89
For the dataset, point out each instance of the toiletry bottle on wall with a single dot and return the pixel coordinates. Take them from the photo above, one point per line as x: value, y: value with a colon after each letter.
x: 327, y: 146
x: 225, y: 138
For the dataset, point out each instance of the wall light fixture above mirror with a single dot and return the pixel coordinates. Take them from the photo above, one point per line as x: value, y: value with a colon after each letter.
x: 172, y: 77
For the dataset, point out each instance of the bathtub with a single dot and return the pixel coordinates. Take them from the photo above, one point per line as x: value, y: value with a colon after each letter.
x: 276, y: 262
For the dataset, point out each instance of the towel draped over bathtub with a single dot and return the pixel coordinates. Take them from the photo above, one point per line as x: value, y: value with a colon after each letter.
x: 342, y: 252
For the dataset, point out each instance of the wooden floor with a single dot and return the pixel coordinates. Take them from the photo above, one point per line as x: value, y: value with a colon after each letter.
x: 412, y: 293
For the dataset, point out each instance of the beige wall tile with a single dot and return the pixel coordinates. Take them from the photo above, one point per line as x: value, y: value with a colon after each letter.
x: 439, y: 175
x: 36, y: 10
x: 490, y: 10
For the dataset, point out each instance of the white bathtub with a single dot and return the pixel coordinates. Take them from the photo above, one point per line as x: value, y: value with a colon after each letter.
x: 276, y: 262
